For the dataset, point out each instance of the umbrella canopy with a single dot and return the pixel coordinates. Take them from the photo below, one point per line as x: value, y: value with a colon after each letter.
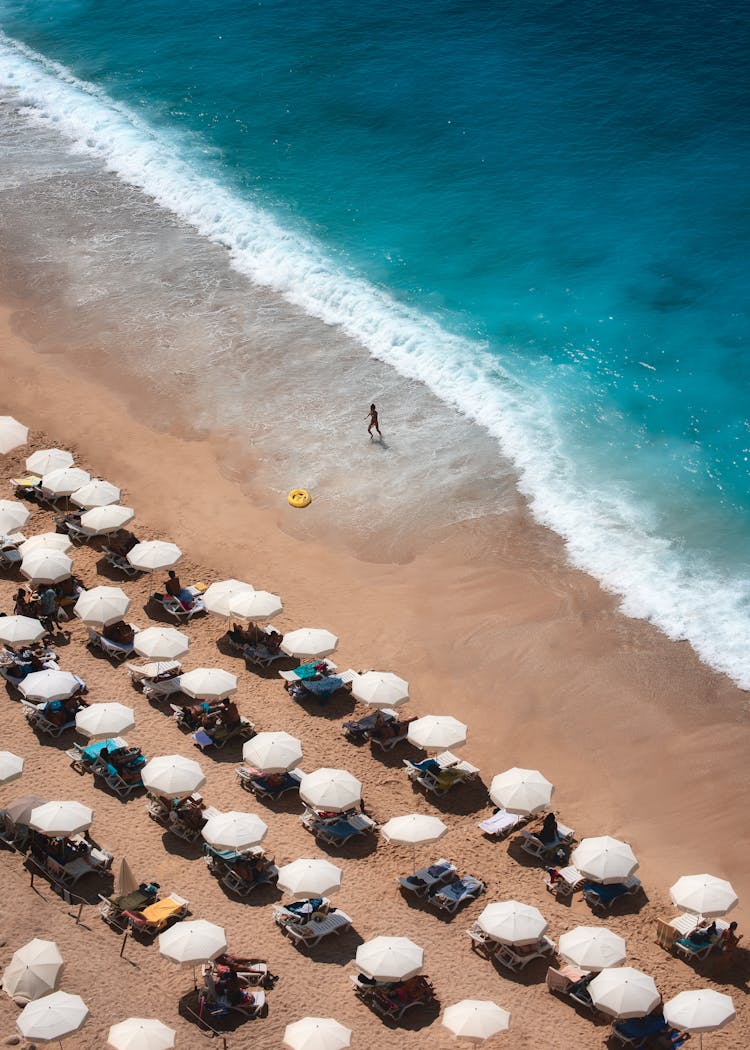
x: 19, y: 811
x: 46, y: 565
x: 208, y: 683
x: 60, y: 819
x: 193, y: 942
x: 13, y: 515
x: 512, y: 923
x: 624, y: 992
x: 161, y: 643
x: 33, y: 971
x: 50, y: 684
x: 309, y: 643
x: 604, y: 859
x: 390, y: 958
x: 313, y: 877
x: 64, y: 481
x: 317, y: 1033
x: 12, y: 434
x: 698, y: 1011
x: 11, y: 767
x: 272, y: 752
x: 218, y: 596
x: 592, y: 948
x: 523, y: 791
x: 437, y: 733
x: 20, y: 630
x: 103, y: 720
x: 380, y: 689
x: 154, y: 555
x: 46, y: 540
x: 172, y: 776
x: 48, y: 459
x: 413, y: 828
x: 704, y: 895
x: 95, y: 493
x: 52, y: 1017
x: 330, y: 789
x: 476, y: 1019
x: 101, y: 520
x: 255, y: 605
x: 234, y: 830
x: 141, y: 1033
x: 101, y: 606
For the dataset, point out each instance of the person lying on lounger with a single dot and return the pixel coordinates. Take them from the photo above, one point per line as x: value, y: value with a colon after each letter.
x: 580, y: 988
x: 190, y: 812
x: 126, y: 760
x: 386, y: 727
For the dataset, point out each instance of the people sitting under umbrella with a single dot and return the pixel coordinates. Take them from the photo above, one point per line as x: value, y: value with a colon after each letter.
x: 119, y: 632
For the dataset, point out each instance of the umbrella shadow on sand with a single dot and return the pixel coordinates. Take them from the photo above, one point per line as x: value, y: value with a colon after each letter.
x: 462, y: 800
x: 191, y: 1007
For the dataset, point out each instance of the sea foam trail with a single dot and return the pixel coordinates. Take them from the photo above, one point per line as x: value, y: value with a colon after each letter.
x: 605, y: 534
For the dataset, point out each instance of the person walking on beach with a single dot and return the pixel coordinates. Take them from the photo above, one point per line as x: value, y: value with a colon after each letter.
x: 374, y: 422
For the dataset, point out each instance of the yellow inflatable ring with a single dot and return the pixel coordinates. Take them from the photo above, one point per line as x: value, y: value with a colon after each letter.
x: 299, y: 498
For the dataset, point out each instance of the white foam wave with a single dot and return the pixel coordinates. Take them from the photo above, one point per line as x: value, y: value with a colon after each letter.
x: 606, y: 535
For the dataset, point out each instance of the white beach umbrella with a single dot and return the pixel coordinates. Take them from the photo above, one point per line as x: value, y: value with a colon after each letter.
x: 45, y: 460
x: 103, y: 720
x: 46, y: 541
x: 334, y: 790
x: 624, y: 992
x: 511, y: 922
x: 33, y: 971
x: 13, y: 515
x: 390, y: 958
x: 218, y: 596
x: 50, y: 684
x: 60, y: 819
x: 255, y: 605
x: 154, y: 555
x: 698, y: 1011
x: 95, y: 493
x: 604, y: 859
x: 161, y: 643
x: 12, y: 434
x: 172, y: 776
x: 380, y: 689
x: 592, y: 948
x: 317, y: 1033
x: 101, y: 606
x: 208, y: 683
x: 234, y: 830
x: 413, y: 829
x: 309, y: 877
x: 20, y: 630
x: 11, y: 767
x: 193, y: 942
x: 309, y: 643
x: 141, y: 1033
x: 523, y: 791
x: 476, y: 1019
x: 272, y: 752
x: 101, y: 520
x: 437, y: 733
x: 46, y: 565
x: 64, y: 481
x: 704, y: 895
x: 52, y: 1017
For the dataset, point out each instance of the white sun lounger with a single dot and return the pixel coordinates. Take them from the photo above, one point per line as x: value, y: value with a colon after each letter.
x: 501, y: 823
x: 311, y: 933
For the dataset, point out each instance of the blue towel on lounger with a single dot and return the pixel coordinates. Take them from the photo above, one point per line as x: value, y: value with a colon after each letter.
x: 606, y: 893
x: 93, y: 751
x: 324, y: 686
x: 305, y: 671
x: 341, y: 830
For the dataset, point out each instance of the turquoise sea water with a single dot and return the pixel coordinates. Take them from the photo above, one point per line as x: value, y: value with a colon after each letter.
x: 541, y: 211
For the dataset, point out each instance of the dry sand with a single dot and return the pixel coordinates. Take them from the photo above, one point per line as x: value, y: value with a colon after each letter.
x: 642, y: 741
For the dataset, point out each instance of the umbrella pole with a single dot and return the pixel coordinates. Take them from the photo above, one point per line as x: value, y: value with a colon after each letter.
x: 122, y: 946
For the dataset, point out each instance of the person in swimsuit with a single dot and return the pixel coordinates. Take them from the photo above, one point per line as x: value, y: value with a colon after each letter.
x: 374, y: 421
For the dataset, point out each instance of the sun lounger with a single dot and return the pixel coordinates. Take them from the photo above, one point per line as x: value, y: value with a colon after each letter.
x: 175, y: 608
x: 79, y: 534
x: 641, y: 1031
x: 533, y: 845
x: 501, y: 824
x: 481, y: 942
x: 214, y: 1003
x: 561, y: 982
x: 450, y: 896
x: 170, y: 819
x: 253, y: 780
x: 156, y: 684
x: 84, y: 859
x: 358, y: 730
x: 10, y: 557
x: 253, y: 971
x: 440, y: 774
x: 228, y: 866
x: 87, y: 759
x: 36, y: 716
x: 306, y: 671
x: 602, y: 897
x: 338, y: 832
x: 111, y: 908
x: 120, y: 562
x: 116, y: 651
x: 156, y: 917
x: 311, y: 933
x: 568, y: 880
x: 516, y: 957
x: 429, y: 878
x: 393, y: 1000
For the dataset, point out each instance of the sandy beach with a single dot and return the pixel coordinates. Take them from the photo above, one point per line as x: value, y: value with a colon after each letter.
x: 641, y: 740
